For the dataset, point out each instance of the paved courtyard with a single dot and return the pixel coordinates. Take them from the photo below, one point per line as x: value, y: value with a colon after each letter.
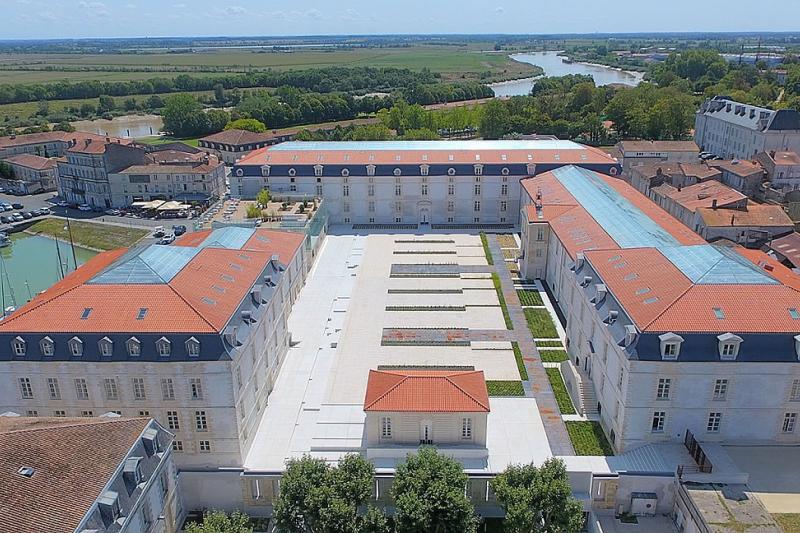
x: 774, y: 474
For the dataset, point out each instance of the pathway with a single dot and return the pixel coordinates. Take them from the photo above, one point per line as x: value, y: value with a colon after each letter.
x: 557, y: 435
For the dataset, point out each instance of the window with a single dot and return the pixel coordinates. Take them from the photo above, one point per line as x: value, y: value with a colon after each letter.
x: 47, y: 346
x: 424, y: 189
x: 466, y: 428
x: 167, y: 389
x: 371, y: 207
x: 87, y: 413
x: 478, y: 170
x: 386, y: 427
x: 451, y: 206
x: 193, y: 347
x: 81, y: 390
x: 318, y: 189
x: 134, y: 347
x: 423, y: 170
x: 200, y: 421
x: 76, y: 347
x: 32, y: 413
x: 789, y: 421
x: 105, y: 345
x: 503, y: 205
x: 177, y: 446
x: 164, y: 347
x: 714, y: 420
x: 397, y: 172
x: 671, y: 349
x: 477, y: 189
x: 112, y: 393
x: 370, y: 190
x: 59, y: 413
x: 670, y: 346
x: 659, y: 417
x: 451, y: 189
x: 398, y: 191
x: 205, y: 446
x: 504, y: 189
x: 794, y: 392
x: 346, y: 207
x: 370, y: 170
x: 53, y: 388
x: 729, y: 346
x: 238, y: 378
x: 139, y: 392
x: 345, y: 190
x: 451, y: 171
x: 664, y: 385
x: 720, y: 389
x: 173, y: 421
x: 196, y: 388
x: 476, y: 206
x: 19, y: 346
x: 25, y: 388
x: 540, y: 233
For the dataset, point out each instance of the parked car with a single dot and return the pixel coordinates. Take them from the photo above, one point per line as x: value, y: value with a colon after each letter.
x: 17, y: 205
x: 178, y: 229
x: 5, y: 219
x: 18, y: 217
x: 45, y: 210
x: 158, y: 231
x: 27, y: 215
x: 2, y: 189
x: 169, y: 238
x: 62, y: 203
x: 113, y: 212
x: 84, y: 207
x: 6, y: 207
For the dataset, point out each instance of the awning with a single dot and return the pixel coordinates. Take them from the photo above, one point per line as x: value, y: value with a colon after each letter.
x: 173, y: 206
x: 154, y: 204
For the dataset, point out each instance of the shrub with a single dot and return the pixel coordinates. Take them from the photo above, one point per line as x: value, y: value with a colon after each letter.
x: 553, y: 356
x: 528, y: 297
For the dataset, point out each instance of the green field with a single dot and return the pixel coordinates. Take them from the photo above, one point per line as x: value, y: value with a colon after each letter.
x: 588, y: 438
x: 91, y: 235
x: 166, y: 139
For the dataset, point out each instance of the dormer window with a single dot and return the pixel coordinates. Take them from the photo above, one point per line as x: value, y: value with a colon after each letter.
x: 164, y: 347
x: 729, y: 346
x: 134, y: 347
x: 239, y: 172
x: 19, y: 346
x: 670, y: 346
x: 345, y: 172
x: 47, y: 346
x: 797, y: 346
x: 318, y: 170
x: 265, y: 170
x: 397, y: 172
x: 531, y: 167
x: 106, y: 346
x: 370, y: 170
x: 478, y: 170
x: 505, y: 171
x: 424, y: 169
x: 75, y: 347
x: 193, y: 347
x: 451, y: 171
x: 292, y: 172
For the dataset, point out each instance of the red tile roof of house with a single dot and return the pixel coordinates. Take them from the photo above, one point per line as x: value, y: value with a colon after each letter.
x: 704, y: 194
x: 238, y: 137
x: 47, y: 137
x: 786, y: 158
x: 73, y: 460
x: 789, y: 247
x: 659, y: 146
x: 756, y: 215
x: 426, y: 391
x: 739, y: 168
x: 31, y: 161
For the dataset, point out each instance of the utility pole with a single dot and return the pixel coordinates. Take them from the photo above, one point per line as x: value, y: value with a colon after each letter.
x: 71, y: 242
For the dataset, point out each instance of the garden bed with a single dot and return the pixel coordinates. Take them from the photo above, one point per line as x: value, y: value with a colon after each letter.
x: 529, y: 297
x: 540, y: 323
x: 505, y: 388
x: 554, y: 343
x: 499, y: 290
x: 507, y: 240
x: 560, y: 391
x: 486, y: 251
x: 588, y: 438
x: 523, y: 372
x: 553, y: 356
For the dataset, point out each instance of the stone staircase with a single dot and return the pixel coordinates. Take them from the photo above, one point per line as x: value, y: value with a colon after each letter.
x: 588, y: 398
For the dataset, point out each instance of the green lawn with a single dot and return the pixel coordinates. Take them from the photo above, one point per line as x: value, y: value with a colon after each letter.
x: 499, y: 290
x: 789, y: 522
x: 560, y: 391
x: 553, y: 356
x: 549, y: 344
x: 523, y: 372
x: 527, y: 297
x: 486, y: 251
x: 166, y: 139
x: 89, y: 234
x: 505, y: 388
x: 540, y: 323
x: 588, y: 438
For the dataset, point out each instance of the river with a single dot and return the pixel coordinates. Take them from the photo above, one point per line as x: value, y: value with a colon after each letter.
x: 30, y: 265
x: 552, y: 65
x: 127, y: 126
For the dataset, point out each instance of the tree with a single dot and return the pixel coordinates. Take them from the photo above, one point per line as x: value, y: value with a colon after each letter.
x: 216, y: 120
x: 130, y: 104
x: 494, y: 121
x: 429, y: 495
x: 253, y: 211
x: 248, y: 124
x: 318, y: 498
x: 219, y: 93
x: 107, y: 104
x: 219, y: 522
x: 183, y: 116
x: 64, y: 126
x: 6, y: 170
x: 263, y: 197
x: 538, y: 500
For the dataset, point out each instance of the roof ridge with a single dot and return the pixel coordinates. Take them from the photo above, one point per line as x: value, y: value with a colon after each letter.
x: 681, y: 295
x: 192, y: 307
x: 390, y: 389
x: 456, y: 385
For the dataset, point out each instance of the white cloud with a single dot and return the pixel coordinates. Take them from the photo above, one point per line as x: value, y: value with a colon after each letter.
x: 94, y: 9
x: 233, y: 11
x: 499, y: 10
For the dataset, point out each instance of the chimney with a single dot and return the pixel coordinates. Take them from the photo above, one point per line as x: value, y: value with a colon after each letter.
x: 630, y: 334
x: 600, y: 292
x: 580, y: 259
x: 87, y: 142
x: 680, y: 186
x: 714, y: 203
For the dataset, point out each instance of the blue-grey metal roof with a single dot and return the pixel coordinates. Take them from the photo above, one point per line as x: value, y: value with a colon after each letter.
x: 630, y: 227
x: 423, y: 146
x: 233, y: 238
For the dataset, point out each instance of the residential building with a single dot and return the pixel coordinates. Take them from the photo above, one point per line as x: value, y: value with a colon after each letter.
x: 636, y: 153
x: 232, y: 145
x: 191, y: 334
x: 782, y: 170
x: 786, y: 249
x: 196, y: 179
x: 431, y: 183
x: 83, y: 176
x: 32, y: 174
x: 646, y: 176
x: 105, y: 474
x: 744, y: 176
x: 673, y: 333
x: 47, y: 144
x: 751, y: 226
x: 683, y: 202
x: 733, y: 130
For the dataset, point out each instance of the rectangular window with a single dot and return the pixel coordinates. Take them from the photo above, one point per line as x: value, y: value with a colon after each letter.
x: 476, y: 206
x: 371, y: 207
x: 200, y: 421
x: 720, y: 389
x: 167, y: 389
x: 87, y: 414
x: 477, y: 190
x: 540, y: 233
x: 53, y: 388
x: 503, y: 205
x: 728, y: 350
x: 794, y: 393
x: 177, y: 446
x: 664, y: 385
x: 504, y: 189
x: 144, y: 413
x: 370, y: 190
x: 319, y: 190
x: 59, y: 413
x: 112, y: 393
x: 398, y: 191
x: 386, y: 427
x: 789, y: 421
x: 659, y: 417
x: 139, y: 392
x: 451, y: 189
x: 205, y: 446
x: 196, y: 388
x: 621, y: 378
x: 424, y: 189
x: 81, y: 390
x: 671, y: 349
x: 714, y: 420
x: 173, y: 421
x: 346, y: 207
x: 466, y: 428
x: 345, y: 190
x: 32, y: 413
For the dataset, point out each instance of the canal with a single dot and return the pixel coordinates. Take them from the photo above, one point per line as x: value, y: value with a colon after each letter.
x: 30, y: 265
x: 553, y: 65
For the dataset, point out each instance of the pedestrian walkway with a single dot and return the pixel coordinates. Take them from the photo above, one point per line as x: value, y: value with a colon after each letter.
x: 557, y: 435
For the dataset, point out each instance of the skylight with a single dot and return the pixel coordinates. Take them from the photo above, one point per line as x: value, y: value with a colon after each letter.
x: 644, y: 290
x: 86, y: 312
x: 142, y: 313
x: 651, y: 300
x: 719, y: 313
x: 794, y: 313
x: 207, y: 300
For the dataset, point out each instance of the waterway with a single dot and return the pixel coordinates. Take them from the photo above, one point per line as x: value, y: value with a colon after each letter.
x: 125, y: 127
x: 30, y: 265
x: 553, y: 65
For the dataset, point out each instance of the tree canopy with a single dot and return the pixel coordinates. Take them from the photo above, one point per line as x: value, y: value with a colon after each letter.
x: 219, y: 522
x: 248, y: 124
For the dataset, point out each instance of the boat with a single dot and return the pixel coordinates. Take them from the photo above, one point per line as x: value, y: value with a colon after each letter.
x: 566, y: 60
x: 4, y: 241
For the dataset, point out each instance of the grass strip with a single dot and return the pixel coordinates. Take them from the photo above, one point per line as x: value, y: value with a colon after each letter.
x: 553, y: 356
x: 529, y: 297
x: 523, y: 372
x: 588, y: 438
x: 499, y: 290
x: 540, y: 323
x: 486, y: 250
x: 560, y: 391
x: 89, y: 234
x: 505, y: 388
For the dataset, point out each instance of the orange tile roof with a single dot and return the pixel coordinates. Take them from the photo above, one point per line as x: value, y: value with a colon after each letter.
x: 756, y: 215
x: 704, y: 194
x: 739, y: 168
x: 426, y: 391
x: 786, y: 158
x: 789, y: 247
x: 73, y: 460
x: 34, y: 162
x: 659, y: 146
x: 771, y: 266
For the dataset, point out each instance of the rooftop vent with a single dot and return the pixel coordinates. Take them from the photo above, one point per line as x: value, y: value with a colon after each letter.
x: 131, y: 472
x: 268, y: 281
x: 26, y: 471
x: 586, y: 281
x: 580, y: 259
x: 247, y: 317
x: 612, y: 317
x: 150, y: 441
x: 600, y: 292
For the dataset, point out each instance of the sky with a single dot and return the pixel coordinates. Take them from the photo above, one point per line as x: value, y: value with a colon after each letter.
x: 41, y: 19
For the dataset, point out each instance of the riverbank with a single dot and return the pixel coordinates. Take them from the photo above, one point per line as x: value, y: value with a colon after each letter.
x: 94, y: 236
